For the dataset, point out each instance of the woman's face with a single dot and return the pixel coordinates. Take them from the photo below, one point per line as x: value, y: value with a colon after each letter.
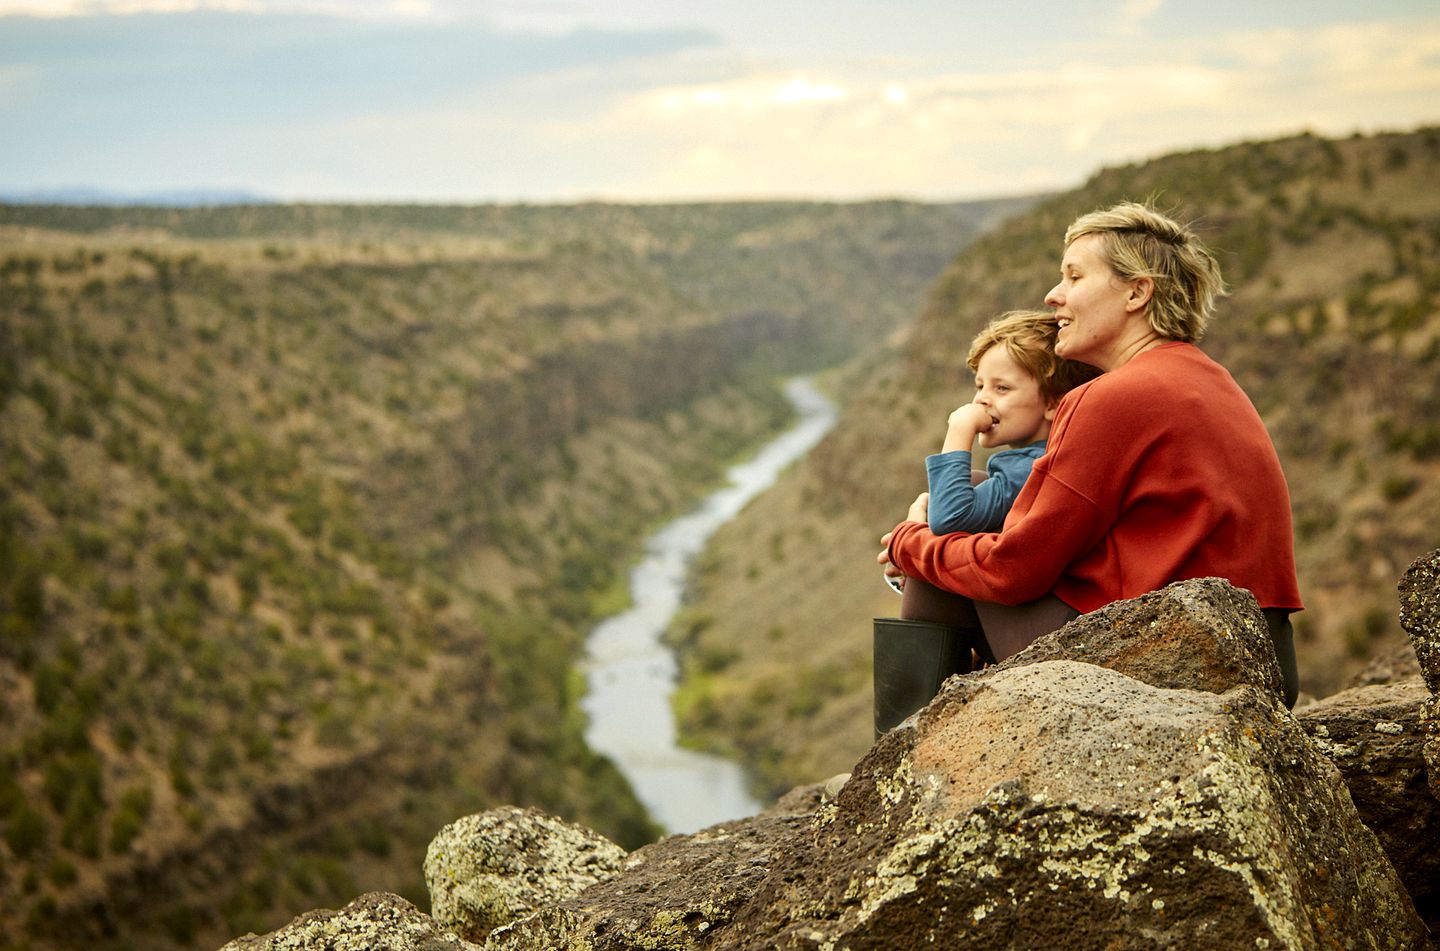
x: 1100, y: 317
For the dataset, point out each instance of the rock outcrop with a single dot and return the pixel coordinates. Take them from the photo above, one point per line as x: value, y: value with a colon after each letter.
x: 1200, y: 635
x: 679, y: 892
x: 1062, y: 804
x: 1373, y: 736
x: 376, y: 921
x: 1133, y: 780
x: 1420, y: 617
x: 1382, y: 734
x: 486, y: 870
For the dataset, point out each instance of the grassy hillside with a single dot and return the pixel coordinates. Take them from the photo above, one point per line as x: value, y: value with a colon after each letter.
x: 1333, y: 250
x: 304, y: 511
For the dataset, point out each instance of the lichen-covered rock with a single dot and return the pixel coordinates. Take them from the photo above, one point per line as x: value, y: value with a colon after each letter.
x: 674, y: 893
x: 486, y: 870
x: 1374, y: 736
x: 1420, y: 617
x: 376, y: 921
x: 1065, y: 805
x: 1201, y: 634
x: 1420, y: 614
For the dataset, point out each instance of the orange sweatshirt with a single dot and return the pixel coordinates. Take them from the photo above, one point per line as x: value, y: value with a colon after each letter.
x: 1157, y: 471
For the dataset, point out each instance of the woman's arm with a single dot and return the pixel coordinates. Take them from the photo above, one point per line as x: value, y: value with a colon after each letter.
x: 1011, y: 567
x: 1067, y: 507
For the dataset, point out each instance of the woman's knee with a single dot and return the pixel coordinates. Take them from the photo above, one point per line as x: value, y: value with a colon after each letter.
x: 923, y: 601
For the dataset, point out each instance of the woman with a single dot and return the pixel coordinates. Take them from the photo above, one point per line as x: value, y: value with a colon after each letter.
x: 1158, y: 470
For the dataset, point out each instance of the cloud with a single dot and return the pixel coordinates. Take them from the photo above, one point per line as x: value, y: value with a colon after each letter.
x: 425, y: 103
x: 970, y: 133
x: 1138, y: 11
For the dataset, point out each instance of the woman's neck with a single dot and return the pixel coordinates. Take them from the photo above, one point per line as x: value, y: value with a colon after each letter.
x: 1133, y: 349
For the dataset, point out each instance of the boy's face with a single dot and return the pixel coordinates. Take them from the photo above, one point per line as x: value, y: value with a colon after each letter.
x: 1019, y: 414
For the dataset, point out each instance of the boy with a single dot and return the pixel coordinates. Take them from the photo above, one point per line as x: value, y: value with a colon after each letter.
x: 1018, y: 383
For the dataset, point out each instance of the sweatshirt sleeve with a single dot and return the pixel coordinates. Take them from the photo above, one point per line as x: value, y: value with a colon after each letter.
x: 958, y: 505
x: 1020, y: 564
x: 1055, y: 520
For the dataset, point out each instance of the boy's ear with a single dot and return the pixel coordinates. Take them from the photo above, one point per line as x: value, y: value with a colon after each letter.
x: 1052, y: 403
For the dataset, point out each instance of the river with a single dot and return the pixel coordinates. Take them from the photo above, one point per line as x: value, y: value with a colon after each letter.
x: 631, y: 673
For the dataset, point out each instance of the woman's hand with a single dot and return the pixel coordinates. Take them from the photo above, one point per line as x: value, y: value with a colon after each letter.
x: 884, y: 556
x: 919, y: 512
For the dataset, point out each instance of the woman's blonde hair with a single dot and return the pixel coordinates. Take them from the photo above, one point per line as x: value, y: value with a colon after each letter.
x: 1138, y: 241
x: 1029, y: 337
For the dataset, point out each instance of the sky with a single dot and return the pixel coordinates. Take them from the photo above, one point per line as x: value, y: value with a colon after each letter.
x: 666, y: 100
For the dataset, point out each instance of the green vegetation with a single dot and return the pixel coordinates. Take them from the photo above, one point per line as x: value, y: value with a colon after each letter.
x: 303, y: 500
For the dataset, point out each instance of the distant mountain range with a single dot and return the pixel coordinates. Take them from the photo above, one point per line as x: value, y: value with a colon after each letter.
x: 171, y: 198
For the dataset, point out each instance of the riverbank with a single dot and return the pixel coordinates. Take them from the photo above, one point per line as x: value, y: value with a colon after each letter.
x: 631, y: 672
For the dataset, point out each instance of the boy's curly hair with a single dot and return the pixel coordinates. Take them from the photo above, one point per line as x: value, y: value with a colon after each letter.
x: 1029, y: 337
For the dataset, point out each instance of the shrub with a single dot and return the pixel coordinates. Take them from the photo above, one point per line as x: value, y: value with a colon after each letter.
x: 63, y: 872
x: 66, y: 776
x: 28, y: 597
x: 51, y: 682
x: 26, y: 831
x: 42, y: 914
x: 179, y: 767
x: 75, y: 421
x: 129, y: 819
x: 1398, y: 487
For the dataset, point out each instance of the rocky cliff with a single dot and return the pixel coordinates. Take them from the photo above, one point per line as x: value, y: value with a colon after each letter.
x: 1132, y: 780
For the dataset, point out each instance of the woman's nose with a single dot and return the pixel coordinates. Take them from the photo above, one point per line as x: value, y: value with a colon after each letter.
x: 1054, y: 298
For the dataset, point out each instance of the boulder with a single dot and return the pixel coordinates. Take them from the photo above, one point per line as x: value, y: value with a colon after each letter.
x: 1420, y: 617
x: 674, y: 893
x: 1373, y: 736
x: 1201, y: 634
x: 1062, y: 804
x: 1043, y: 802
x: 1419, y: 591
x: 486, y: 870
x: 376, y: 921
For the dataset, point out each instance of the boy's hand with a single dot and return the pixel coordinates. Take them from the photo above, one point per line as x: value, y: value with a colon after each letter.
x: 973, y: 416
x: 965, y: 424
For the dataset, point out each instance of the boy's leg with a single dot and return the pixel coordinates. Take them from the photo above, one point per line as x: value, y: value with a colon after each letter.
x: 934, y: 637
x: 911, y: 660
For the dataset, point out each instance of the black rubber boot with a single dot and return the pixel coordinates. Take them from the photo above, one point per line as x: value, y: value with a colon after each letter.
x: 912, y: 660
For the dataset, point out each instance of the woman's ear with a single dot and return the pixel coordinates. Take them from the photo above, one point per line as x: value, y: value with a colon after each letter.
x: 1141, y: 290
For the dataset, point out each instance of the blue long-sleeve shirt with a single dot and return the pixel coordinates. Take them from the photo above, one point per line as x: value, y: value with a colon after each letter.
x: 956, y: 505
